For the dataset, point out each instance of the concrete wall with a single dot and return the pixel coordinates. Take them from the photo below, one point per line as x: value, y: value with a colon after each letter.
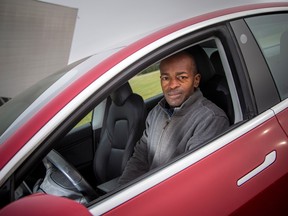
x: 35, y: 41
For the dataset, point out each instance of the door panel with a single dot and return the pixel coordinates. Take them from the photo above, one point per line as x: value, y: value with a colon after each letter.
x: 262, y: 202
x: 210, y: 185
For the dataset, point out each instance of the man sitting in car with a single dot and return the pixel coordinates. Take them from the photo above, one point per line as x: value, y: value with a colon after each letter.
x: 183, y: 119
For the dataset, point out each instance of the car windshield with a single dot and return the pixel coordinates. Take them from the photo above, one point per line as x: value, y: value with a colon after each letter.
x: 11, y: 110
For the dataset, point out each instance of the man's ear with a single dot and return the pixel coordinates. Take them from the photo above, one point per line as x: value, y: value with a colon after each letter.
x: 197, y: 79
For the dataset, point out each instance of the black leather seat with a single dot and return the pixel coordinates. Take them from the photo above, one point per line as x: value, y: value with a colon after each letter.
x: 204, y: 66
x: 213, y: 84
x: 123, y: 127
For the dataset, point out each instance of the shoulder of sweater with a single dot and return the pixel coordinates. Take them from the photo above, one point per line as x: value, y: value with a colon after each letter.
x: 211, y: 108
x: 155, y: 111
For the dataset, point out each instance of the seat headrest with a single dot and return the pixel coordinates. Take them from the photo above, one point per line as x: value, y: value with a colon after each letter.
x: 204, y: 65
x: 121, y: 94
x: 216, y: 61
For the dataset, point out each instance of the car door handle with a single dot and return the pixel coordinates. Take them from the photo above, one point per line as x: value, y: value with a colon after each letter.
x: 269, y: 159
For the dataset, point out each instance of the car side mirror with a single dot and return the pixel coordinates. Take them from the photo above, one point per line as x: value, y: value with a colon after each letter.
x: 44, y: 204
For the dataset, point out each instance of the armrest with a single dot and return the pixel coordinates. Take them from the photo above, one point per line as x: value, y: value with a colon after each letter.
x: 109, y: 186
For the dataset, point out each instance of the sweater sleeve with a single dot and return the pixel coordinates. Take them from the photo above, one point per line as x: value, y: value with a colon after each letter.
x: 209, y: 127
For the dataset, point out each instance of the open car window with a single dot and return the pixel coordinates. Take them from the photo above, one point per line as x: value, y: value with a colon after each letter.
x: 147, y: 82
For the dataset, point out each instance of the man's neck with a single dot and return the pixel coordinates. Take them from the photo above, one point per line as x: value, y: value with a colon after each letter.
x: 169, y: 109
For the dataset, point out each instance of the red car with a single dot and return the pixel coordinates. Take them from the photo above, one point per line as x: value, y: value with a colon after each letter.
x: 54, y: 147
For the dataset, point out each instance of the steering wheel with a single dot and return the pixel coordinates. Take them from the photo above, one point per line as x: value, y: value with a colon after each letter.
x: 55, y: 183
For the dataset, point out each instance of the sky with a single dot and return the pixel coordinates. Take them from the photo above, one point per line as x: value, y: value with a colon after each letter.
x: 102, y: 24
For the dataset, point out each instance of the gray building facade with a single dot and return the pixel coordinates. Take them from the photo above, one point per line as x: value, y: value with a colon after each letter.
x: 35, y: 41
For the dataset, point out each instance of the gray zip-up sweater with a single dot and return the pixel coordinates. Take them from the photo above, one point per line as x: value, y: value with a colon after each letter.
x: 168, y: 135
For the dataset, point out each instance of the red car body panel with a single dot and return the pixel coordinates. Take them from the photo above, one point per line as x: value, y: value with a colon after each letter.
x: 187, y: 193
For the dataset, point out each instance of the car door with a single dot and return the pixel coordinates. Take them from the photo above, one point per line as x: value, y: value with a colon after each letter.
x: 240, y: 170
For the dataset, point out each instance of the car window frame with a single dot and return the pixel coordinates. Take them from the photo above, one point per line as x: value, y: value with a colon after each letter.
x: 225, y: 39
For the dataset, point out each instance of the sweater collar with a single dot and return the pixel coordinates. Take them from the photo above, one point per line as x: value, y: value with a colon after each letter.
x: 184, y: 106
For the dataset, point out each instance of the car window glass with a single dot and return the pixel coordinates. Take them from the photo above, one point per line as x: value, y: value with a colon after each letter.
x: 271, y: 33
x: 147, y: 82
x: 11, y: 110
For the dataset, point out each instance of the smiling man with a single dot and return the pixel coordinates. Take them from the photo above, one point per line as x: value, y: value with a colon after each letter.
x: 182, y: 121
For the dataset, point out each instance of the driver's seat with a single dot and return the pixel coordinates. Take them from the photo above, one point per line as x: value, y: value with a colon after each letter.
x: 122, y: 128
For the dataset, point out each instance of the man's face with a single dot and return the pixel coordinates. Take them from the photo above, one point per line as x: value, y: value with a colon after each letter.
x: 178, y: 78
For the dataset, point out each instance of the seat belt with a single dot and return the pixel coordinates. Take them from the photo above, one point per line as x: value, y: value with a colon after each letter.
x: 99, y: 118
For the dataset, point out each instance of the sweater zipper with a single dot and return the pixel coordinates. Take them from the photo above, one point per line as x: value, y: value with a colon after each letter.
x: 160, y: 140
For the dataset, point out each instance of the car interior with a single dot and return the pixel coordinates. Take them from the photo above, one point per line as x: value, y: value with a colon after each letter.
x: 97, y: 152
